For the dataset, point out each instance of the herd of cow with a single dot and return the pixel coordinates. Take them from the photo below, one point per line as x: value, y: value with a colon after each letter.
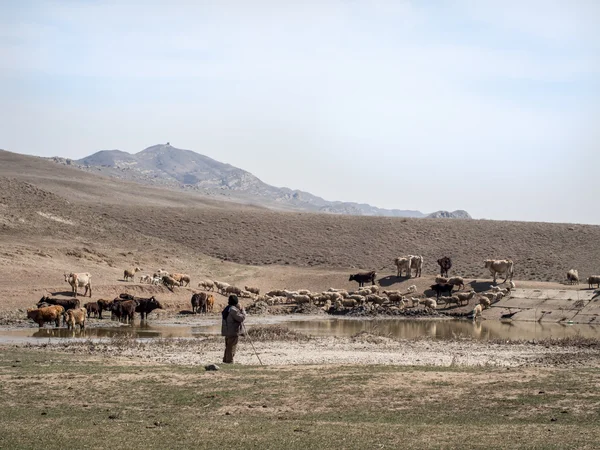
x: 122, y: 308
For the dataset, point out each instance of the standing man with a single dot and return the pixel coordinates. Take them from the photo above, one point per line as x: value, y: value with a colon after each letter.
x: 233, y: 317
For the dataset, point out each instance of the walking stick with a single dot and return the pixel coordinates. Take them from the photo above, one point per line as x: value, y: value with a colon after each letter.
x: 251, y: 343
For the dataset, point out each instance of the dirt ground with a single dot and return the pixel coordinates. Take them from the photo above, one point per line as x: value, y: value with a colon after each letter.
x: 53, y: 400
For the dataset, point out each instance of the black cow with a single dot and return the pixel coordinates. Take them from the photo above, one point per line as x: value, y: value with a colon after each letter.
x: 67, y: 304
x: 364, y: 277
x: 199, y: 303
x: 126, y: 297
x: 124, y: 310
x: 92, y: 308
x: 146, y: 306
x: 442, y: 288
x: 445, y: 264
x: 103, y: 305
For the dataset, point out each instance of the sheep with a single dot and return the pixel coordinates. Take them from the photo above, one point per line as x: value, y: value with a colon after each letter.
x: 358, y: 298
x: 208, y: 285
x: 233, y: 290
x: 246, y: 294
x: 477, y: 311
x: 155, y: 280
x: 74, y: 317
x: 364, y: 292
x: 395, y: 297
x: 303, y: 292
x: 464, y: 296
x: 441, y: 280
x: 169, y: 282
x: 373, y: 298
x: 130, y: 273
x: 594, y: 280
x: 450, y: 300
x: 276, y: 293
x: 300, y: 299
x: 348, y: 303
x: 184, y: 279
x: 457, y: 281
x: 414, y: 301
x: 512, y: 284
x: 145, y: 279
x: 491, y: 296
x: 253, y: 290
x: 485, y: 302
x: 161, y: 273
x: 495, y: 289
x: 221, y: 286
x: 573, y: 276
x: 374, y: 289
x: 429, y: 303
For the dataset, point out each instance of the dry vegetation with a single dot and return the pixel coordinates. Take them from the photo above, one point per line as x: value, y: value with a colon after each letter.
x: 55, y: 400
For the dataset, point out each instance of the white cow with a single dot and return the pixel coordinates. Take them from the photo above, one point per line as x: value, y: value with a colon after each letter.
x: 500, y: 266
x: 416, y: 262
x: 403, y: 263
x: 77, y: 280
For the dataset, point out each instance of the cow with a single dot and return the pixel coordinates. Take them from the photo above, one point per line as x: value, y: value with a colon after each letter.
x: 440, y: 289
x: 200, y: 303
x: 210, y: 303
x: 500, y: 266
x: 364, y: 277
x: 103, y: 305
x: 92, y: 308
x: 402, y: 263
x: 445, y: 264
x: 146, y: 306
x: 77, y: 280
x: 74, y: 317
x: 124, y: 310
x: 51, y: 313
x: 66, y: 304
x: 594, y: 280
x: 416, y: 262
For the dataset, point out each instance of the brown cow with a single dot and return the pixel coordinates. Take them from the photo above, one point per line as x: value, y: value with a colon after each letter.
x: 47, y: 314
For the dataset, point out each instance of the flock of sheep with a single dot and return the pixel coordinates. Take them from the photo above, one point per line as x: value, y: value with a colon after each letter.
x: 336, y: 299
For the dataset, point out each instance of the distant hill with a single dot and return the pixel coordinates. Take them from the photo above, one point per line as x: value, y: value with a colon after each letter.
x: 165, y: 165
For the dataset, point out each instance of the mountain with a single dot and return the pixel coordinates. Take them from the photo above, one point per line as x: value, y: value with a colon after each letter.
x: 165, y: 165
x: 458, y: 214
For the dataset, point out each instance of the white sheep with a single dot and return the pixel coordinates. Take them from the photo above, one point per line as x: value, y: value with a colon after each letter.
x: 485, y: 302
x: 429, y: 303
x: 441, y: 280
x: 207, y: 285
x: 253, y: 290
x: 477, y: 311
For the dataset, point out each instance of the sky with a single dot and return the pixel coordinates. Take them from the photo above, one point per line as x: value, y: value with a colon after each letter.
x: 489, y: 106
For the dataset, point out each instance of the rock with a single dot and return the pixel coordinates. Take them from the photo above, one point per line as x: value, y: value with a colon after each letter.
x: 212, y: 367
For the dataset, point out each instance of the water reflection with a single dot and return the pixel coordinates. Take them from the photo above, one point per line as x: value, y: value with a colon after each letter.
x: 407, y: 329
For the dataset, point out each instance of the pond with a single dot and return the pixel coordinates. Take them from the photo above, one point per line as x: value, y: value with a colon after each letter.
x: 400, y: 328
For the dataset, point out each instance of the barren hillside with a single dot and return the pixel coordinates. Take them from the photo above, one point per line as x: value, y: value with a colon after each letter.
x: 43, y: 199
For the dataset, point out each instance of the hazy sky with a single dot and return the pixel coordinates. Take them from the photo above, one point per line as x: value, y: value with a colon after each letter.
x: 492, y: 106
